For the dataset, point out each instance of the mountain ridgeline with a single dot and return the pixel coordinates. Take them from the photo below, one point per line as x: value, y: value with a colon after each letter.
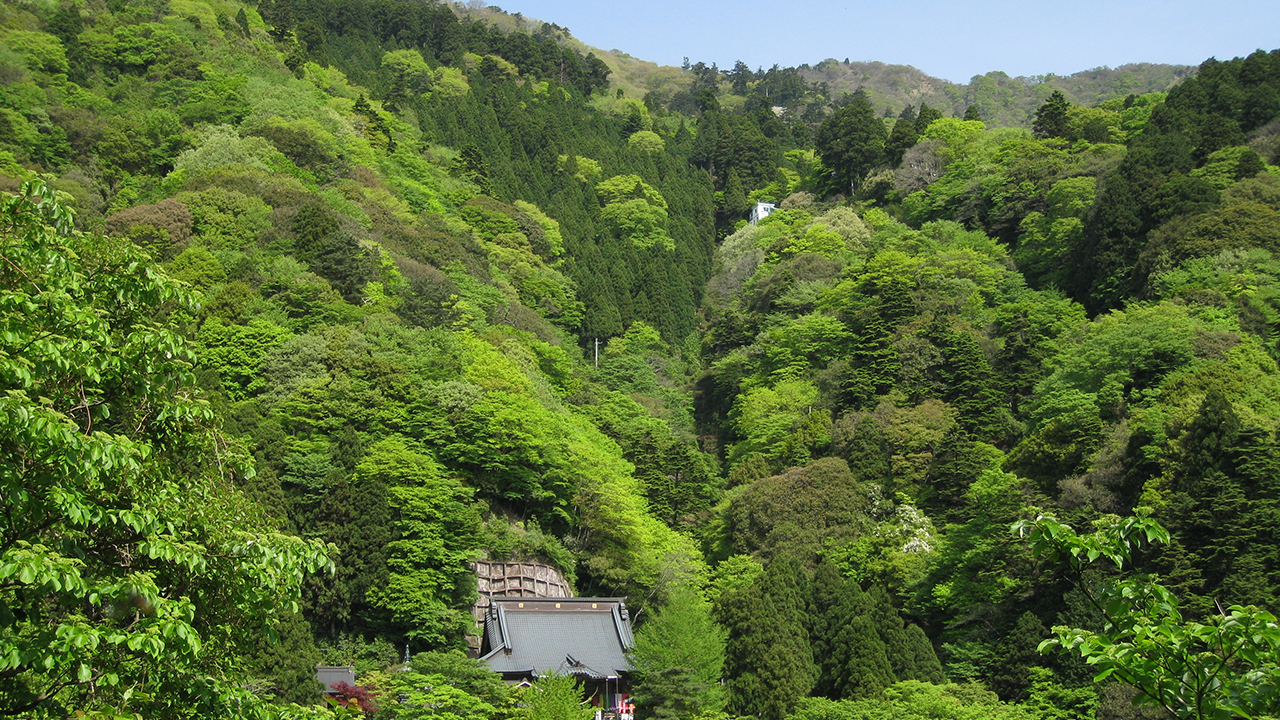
x: 306, y: 305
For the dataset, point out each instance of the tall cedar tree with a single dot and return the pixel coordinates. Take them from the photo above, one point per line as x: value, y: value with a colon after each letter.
x: 1221, y: 513
x: 768, y: 657
x: 852, y: 142
x: 925, y: 118
x: 901, y: 139
x: 1051, y: 119
x: 851, y: 658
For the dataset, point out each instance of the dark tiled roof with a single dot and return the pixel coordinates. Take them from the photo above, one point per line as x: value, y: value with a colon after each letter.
x: 330, y: 676
x: 583, y: 636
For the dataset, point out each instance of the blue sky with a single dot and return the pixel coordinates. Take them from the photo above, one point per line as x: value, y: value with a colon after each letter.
x: 952, y: 40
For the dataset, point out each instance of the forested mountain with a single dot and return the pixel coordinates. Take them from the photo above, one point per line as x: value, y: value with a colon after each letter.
x: 307, y: 304
x: 1000, y: 99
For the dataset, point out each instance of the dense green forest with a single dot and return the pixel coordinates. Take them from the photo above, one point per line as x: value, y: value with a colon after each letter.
x: 307, y: 304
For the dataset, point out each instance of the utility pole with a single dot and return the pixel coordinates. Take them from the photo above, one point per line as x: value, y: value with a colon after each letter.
x: 597, y: 352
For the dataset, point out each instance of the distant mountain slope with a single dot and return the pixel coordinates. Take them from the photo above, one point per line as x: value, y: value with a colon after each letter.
x: 1002, y: 100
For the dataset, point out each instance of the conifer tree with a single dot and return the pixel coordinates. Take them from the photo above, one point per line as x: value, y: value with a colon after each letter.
x: 956, y: 464
x: 859, y: 662
x: 873, y: 366
x: 679, y: 659
x: 901, y: 139
x: 768, y: 659
x: 736, y: 205
x: 867, y: 451
x: 893, y: 633
x: 1221, y: 512
x: 1051, y: 118
x: 928, y: 669
x: 925, y: 118
x: 971, y: 388
x: 852, y: 141
x: 850, y: 655
x: 1018, y: 654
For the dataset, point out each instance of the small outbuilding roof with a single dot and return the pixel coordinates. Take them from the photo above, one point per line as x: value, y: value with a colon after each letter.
x: 567, y: 636
x: 328, y: 675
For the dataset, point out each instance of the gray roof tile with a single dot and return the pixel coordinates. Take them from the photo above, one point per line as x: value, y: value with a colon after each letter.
x: 573, y: 639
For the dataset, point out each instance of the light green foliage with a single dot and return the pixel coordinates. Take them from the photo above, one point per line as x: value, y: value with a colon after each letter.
x: 845, y: 221
x: 1048, y: 237
x: 551, y: 697
x: 956, y: 133
x: 621, y: 188
x: 450, y: 82
x: 437, y: 534
x: 1134, y: 111
x: 464, y: 673
x: 227, y: 219
x: 733, y: 573
x: 549, y: 226
x: 646, y: 141
x: 41, y: 51
x: 409, y: 695
x: 640, y: 222
x: 98, y: 416
x: 897, y: 553
x: 408, y: 75
x: 236, y: 352
x: 634, y: 211
x: 134, y: 47
x: 640, y: 339
x: 1095, y: 125
x: 1227, y: 666
x: 1049, y: 700
x: 817, y: 239
x: 197, y: 267
x: 1220, y: 168
x: 221, y: 145
x: 365, y: 656
x: 584, y: 169
x: 1123, y: 354
x: 678, y: 658
x: 915, y: 700
x: 810, y: 341
x: 769, y: 417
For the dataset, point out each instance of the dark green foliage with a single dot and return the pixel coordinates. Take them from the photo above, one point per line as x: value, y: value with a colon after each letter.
x: 1221, y: 512
x: 286, y: 665
x: 1051, y: 117
x: 901, y: 138
x: 956, y: 463
x: 768, y: 660
x: 925, y: 118
x: 1151, y: 186
x: 311, y: 226
x: 1018, y: 658
x: 852, y: 659
x: 893, y: 634
x: 971, y: 387
x: 927, y: 667
x: 852, y: 142
x: 873, y: 368
x: 796, y: 511
x: 394, y: 323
